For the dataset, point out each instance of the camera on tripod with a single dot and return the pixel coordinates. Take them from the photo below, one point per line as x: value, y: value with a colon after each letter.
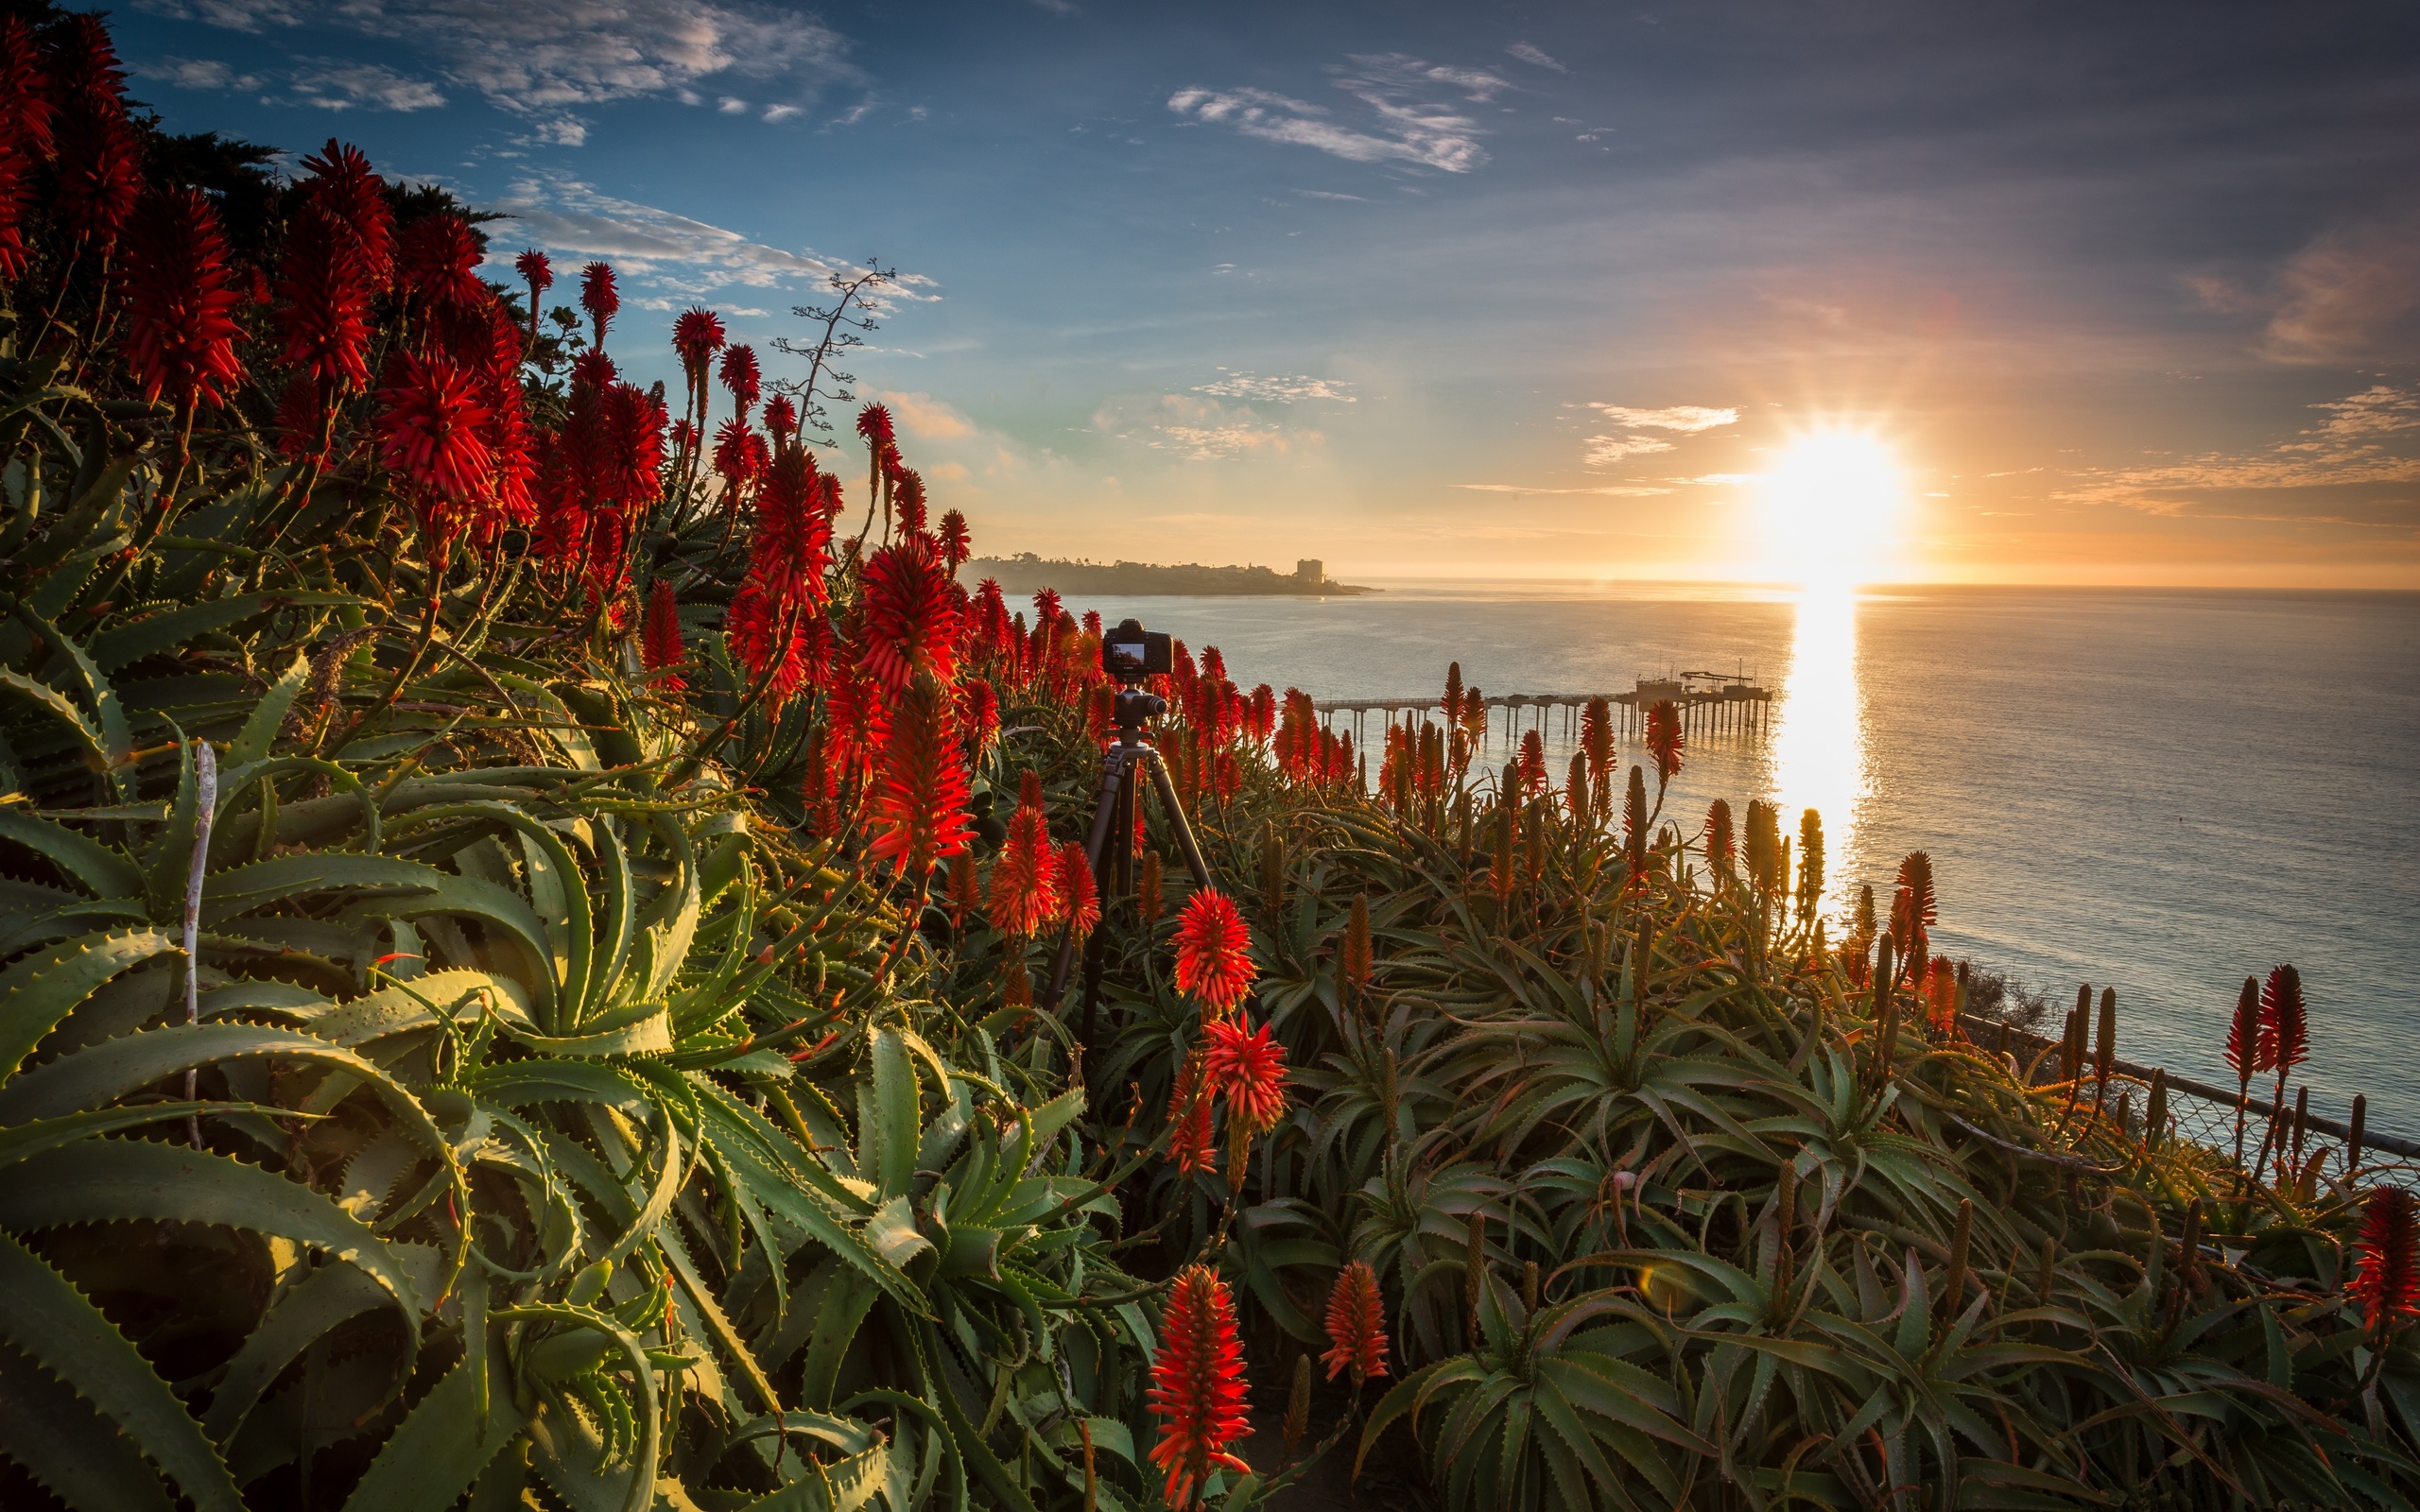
x: 1129, y: 652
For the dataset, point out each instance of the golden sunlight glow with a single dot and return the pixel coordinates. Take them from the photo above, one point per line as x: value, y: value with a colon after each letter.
x: 1819, y: 736
x: 1829, y: 506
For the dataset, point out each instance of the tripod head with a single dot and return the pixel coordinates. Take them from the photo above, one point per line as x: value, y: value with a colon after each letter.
x: 1129, y: 654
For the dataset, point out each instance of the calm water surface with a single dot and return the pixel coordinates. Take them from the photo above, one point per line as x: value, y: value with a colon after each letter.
x: 2155, y: 791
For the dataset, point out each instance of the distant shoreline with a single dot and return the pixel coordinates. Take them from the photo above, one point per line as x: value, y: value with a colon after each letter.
x: 1028, y: 573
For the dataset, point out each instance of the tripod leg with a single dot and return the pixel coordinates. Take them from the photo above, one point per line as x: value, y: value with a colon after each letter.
x: 1185, y: 840
x: 1113, y: 779
x: 1115, y: 871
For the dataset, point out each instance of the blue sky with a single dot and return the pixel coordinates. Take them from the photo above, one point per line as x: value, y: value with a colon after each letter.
x: 2132, y: 292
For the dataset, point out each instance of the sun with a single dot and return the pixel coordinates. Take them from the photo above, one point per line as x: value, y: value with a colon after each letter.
x: 1829, y: 506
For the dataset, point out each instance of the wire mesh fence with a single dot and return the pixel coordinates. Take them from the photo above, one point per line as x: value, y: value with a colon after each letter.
x: 2230, y: 1123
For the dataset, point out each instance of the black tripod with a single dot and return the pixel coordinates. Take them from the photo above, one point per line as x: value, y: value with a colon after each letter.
x: 1109, y: 848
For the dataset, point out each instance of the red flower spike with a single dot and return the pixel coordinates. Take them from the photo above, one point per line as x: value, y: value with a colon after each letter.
x: 1025, y: 879
x: 429, y: 425
x: 600, y: 298
x: 26, y: 113
x: 956, y: 547
x: 921, y: 787
x: 909, y: 498
x: 440, y: 258
x: 1720, y: 853
x: 1213, y: 951
x: 781, y: 418
x: 2386, y: 1259
x: 659, y: 637
x: 1356, y: 1333
x: 324, y: 302
x: 536, y: 272
x: 1197, y: 1385
x: 98, y: 171
x: 966, y: 895
x: 1193, y: 1135
x: 1247, y: 1068
x: 873, y: 425
x: 982, y: 714
x: 1079, y: 900
x: 2285, y: 1028
x: 697, y: 336
x: 740, y: 375
x: 1664, y: 740
x: 180, y: 325
x: 2249, y: 1049
x: 342, y: 187
x: 912, y: 620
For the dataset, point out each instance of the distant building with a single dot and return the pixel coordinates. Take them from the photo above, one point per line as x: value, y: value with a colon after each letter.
x: 1310, y: 570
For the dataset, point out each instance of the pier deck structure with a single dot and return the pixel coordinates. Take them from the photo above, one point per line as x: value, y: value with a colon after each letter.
x: 1710, y: 703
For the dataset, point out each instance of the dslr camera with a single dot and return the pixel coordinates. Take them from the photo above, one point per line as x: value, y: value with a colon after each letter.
x: 1130, y: 653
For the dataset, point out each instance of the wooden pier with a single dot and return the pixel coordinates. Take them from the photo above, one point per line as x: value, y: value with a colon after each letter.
x: 1711, y: 703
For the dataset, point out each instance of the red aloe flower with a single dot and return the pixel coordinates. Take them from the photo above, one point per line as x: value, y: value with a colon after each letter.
x: 2386, y: 1259
x: 1078, y: 900
x: 982, y: 714
x: 600, y: 298
x: 781, y: 418
x: 1357, y: 1334
x: 1025, y: 879
x: 1664, y: 741
x: 739, y: 458
x: 912, y: 619
x: 2284, y: 1029
x: 874, y: 424
x: 26, y: 113
x: 1720, y: 853
x: 2249, y: 1049
x: 343, y: 188
x: 592, y: 371
x: 1197, y: 1385
x: 697, y: 336
x: 1193, y: 1135
x: 740, y: 375
x: 955, y: 544
x: 325, y: 310
x: 1214, y: 951
x: 921, y: 788
x: 910, y: 499
x: 99, y: 174
x: 429, y: 427
x: 440, y: 258
x: 659, y: 645
x: 181, y: 324
x: 1247, y: 1068
x: 540, y: 275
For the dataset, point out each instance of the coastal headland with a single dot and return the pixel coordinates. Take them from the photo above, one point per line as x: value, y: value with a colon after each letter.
x: 1026, y: 573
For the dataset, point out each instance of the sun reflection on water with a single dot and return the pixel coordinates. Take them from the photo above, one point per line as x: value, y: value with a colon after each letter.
x: 1819, y: 734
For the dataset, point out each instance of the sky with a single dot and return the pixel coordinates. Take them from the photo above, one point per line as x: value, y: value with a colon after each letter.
x: 2126, y: 293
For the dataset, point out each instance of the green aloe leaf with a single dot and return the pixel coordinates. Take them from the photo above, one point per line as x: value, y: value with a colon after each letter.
x: 44, y: 1315
x: 124, y: 1180
x: 455, y: 1433
x: 42, y: 988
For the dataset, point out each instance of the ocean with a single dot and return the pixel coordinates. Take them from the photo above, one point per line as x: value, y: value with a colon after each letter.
x: 2156, y: 791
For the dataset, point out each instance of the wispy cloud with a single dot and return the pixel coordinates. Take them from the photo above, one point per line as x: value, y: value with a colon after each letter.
x: 2341, y: 294
x: 1670, y: 418
x: 2344, y: 459
x: 1401, y: 119
x: 1623, y: 491
x: 1199, y: 430
x: 1277, y: 390
x: 194, y: 73
x: 1536, y: 56
x: 675, y: 253
x: 336, y: 85
x: 1604, y: 451
x: 545, y: 60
